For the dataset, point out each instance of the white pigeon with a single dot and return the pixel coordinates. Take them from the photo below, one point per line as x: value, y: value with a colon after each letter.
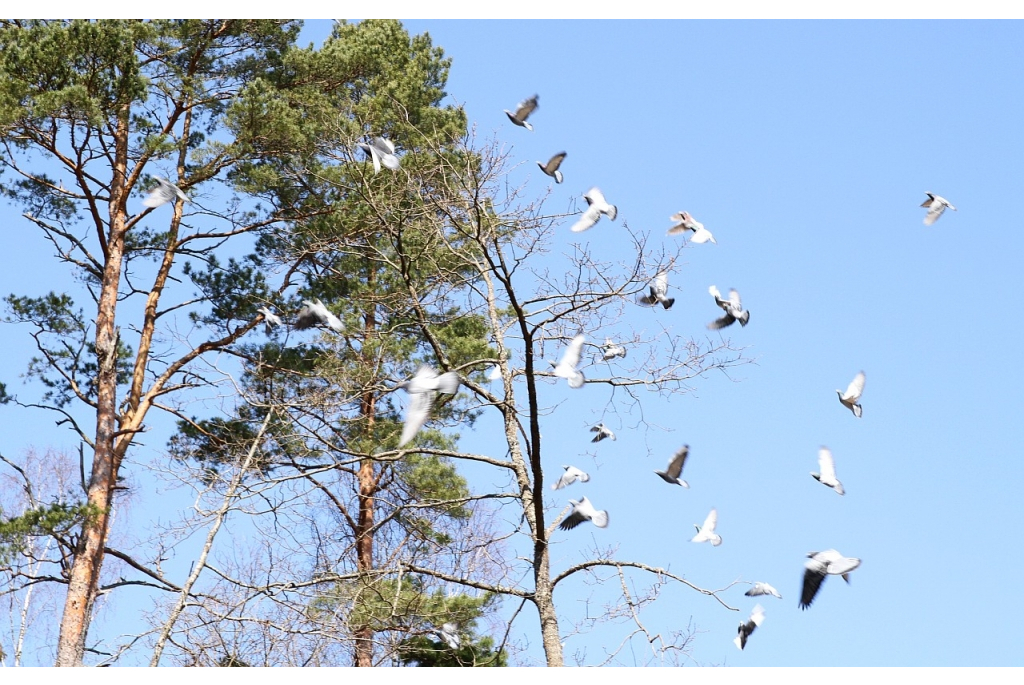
x: 584, y: 511
x: 762, y: 589
x: 571, y: 475
x: 381, y: 151
x: 748, y: 627
x: 611, y: 350
x: 688, y: 223
x: 602, y: 432
x: 523, y: 110
x: 733, y: 310
x: 314, y: 312
x: 936, y: 205
x: 821, y: 564
x: 659, y: 292
x: 675, y: 468
x: 597, y: 206
x: 495, y: 373
x: 269, y: 319
x: 449, y: 632
x: 566, y: 368
x: 422, y: 388
x: 706, y: 533
x: 164, y: 192
x: 827, y: 466
x: 551, y: 168
x: 851, y: 398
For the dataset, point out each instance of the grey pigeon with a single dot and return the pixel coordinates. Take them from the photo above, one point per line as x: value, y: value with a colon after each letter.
x: 597, y: 206
x: 936, y: 205
x: 659, y: 292
x: 314, y: 313
x: 523, y: 110
x: 566, y: 368
x: 164, y: 192
x: 571, y: 475
x: 610, y: 350
x: 422, y: 388
x: 449, y: 632
x: 675, y: 468
x: 748, y: 627
x: 827, y: 466
x: 821, y: 564
x: 762, y: 589
x: 706, y: 533
x: 851, y: 398
x: 584, y: 511
x: 602, y: 432
x: 733, y: 310
x: 685, y: 223
x: 269, y: 319
x: 551, y: 168
x: 381, y: 151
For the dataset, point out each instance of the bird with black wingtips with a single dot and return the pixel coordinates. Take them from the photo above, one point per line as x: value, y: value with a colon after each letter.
x: 851, y: 398
x: 748, y: 627
x: 381, y: 151
x: 827, y: 468
x: 523, y: 110
x: 551, y: 168
x: 596, y: 206
x: 658, y: 292
x: 566, y: 367
x: 762, y: 589
x: 571, y: 475
x: 164, y: 192
x: 706, y: 533
x: 733, y: 308
x: 314, y: 313
x: 269, y: 319
x: 822, y: 564
x: 422, y: 389
x: 584, y: 511
x: 602, y: 431
x: 610, y: 350
x: 685, y: 222
x: 936, y: 205
x: 675, y: 468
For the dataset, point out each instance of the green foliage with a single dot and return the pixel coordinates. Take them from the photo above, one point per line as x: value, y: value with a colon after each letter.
x: 235, y: 291
x: 424, y: 651
x: 54, y: 519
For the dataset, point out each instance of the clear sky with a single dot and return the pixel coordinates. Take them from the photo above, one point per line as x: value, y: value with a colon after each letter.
x: 806, y: 148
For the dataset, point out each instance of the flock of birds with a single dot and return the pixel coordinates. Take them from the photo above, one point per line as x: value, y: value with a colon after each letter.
x: 425, y: 385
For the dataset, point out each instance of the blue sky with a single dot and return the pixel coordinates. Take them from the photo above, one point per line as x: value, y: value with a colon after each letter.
x: 806, y: 148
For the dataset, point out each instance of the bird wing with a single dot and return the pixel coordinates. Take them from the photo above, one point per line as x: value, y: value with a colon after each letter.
x: 574, y: 519
x: 595, y: 197
x: 827, y: 466
x: 552, y: 166
x: 934, y: 212
x: 814, y: 576
x: 384, y: 146
x: 448, y: 383
x: 929, y: 201
x: 734, y: 300
x: 525, y: 108
x: 306, y: 318
x: 587, y: 220
x: 856, y: 387
x: 374, y: 155
x: 163, y: 193
x: 724, y: 304
x: 568, y: 478
x: 842, y: 566
x: 571, y: 356
x: 495, y: 373
x: 726, y: 320
x: 710, y: 522
x: 675, y: 466
x: 416, y: 415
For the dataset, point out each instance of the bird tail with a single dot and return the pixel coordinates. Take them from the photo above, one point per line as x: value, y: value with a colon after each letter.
x: 528, y: 126
x: 558, y: 176
x: 613, y: 212
x: 857, y: 410
x: 743, y: 318
x: 668, y: 302
x: 448, y: 383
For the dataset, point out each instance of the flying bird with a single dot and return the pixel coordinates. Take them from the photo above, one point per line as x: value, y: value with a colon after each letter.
x: 523, y: 110
x: 610, y: 350
x: 495, y: 373
x: 659, y: 292
x: 602, y: 432
x: 827, y: 466
x: 449, y: 632
x: 936, y: 205
x: 551, y: 168
x: 733, y: 310
x: 571, y: 475
x: 381, y: 151
x: 762, y: 589
x: 706, y: 533
x: 675, y: 467
x: 422, y: 388
x: 269, y: 319
x: 566, y: 368
x: 748, y: 627
x: 851, y: 398
x: 597, y: 206
x: 584, y: 511
x: 688, y: 223
x: 821, y: 564
x: 314, y: 313
x: 164, y: 192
